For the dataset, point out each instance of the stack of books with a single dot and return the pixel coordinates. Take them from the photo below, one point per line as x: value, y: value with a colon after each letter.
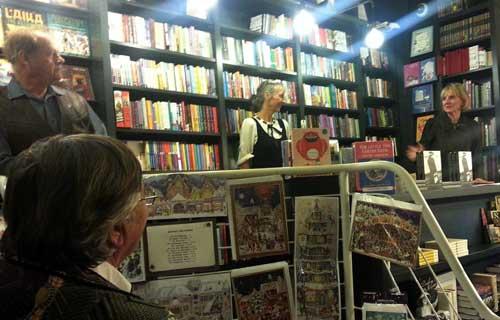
x: 459, y: 246
x: 427, y: 256
x: 495, y: 270
x: 486, y: 287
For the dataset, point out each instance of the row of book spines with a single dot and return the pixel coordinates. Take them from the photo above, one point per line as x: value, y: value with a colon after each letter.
x: 159, y: 35
x: 388, y: 138
x: 162, y: 115
x: 489, y: 166
x: 280, y: 26
x: 235, y: 119
x: 238, y: 85
x: 374, y: 58
x: 448, y: 7
x: 176, y: 156
x: 327, y: 38
x: 257, y: 54
x: 378, y: 88
x: 330, y: 97
x: 223, y: 243
x: 338, y: 127
x: 480, y: 94
x: 314, y: 65
x: 379, y: 117
x: 463, y: 60
x: 488, y: 132
x: 465, y: 30
x: 162, y: 75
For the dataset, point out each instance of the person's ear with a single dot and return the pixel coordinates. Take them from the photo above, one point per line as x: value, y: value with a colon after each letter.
x: 22, y: 59
x: 117, y: 237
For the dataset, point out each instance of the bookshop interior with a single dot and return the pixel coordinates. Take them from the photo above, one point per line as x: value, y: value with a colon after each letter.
x: 249, y: 159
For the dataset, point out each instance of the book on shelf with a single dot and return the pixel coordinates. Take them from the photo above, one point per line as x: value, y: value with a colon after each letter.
x: 80, y: 4
x: 374, y: 58
x: 181, y: 196
x: 375, y: 180
x: 16, y: 18
x: 463, y: 60
x: 199, y: 296
x: 162, y: 75
x: 479, y: 92
x: 77, y: 78
x: 317, y: 288
x: 465, y: 30
x: 70, y: 35
x: 337, y: 126
x: 327, y: 38
x: 459, y: 247
x: 330, y: 97
x: 420, y: 72
x: 486, y: 287
x: 164, y: 115
x: 149, y: 33
x: 263, y: 290
x: 423, y: 98
x: 279, y: 26
x: 420, y: 125
x: 310, y: 147
x: 175, y: 156
x: 427, y: 256
x: 385, y: 138
x: 379, y: 117
x: 257, y: 53
x: 181, y: 245
x: 242, y: 86
x: 378, y: 87
x: 487, y: 131
x: 386, y: 229
x: 223, y: 243
x: 429, y: 167
x: 314, y: 65
x: 257, y: 217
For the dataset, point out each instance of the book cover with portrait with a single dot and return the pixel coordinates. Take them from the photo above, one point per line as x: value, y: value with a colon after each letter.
x: 374, y: 180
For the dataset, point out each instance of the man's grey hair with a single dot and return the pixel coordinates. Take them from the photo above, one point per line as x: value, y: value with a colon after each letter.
x: 23, y: 40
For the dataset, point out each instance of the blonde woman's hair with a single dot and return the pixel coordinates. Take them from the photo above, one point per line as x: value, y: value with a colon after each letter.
x: 458, y: 90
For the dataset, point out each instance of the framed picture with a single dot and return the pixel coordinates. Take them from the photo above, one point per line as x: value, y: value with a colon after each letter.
x: 422, y: 41
x: 263, y: 292
x: 317, y: 294
x: 133, y: 267
x: 185, y: 196
x: 257, y: 218
x: 178, y: 246
x: 386, y: 229
x: 202, y: 296
x: 497, y: 202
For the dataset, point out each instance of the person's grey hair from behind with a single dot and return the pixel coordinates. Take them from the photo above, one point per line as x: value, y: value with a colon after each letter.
x: 266, y: 87
x: 64, y: 197
x: 22, y: 40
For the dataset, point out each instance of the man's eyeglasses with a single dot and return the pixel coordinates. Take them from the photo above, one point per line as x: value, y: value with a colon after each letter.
x: 149, y: 200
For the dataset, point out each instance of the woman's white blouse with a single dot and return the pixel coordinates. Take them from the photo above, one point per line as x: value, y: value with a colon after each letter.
x: 249, y: 136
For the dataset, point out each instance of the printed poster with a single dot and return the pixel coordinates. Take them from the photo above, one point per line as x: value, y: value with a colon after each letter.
x: 317, y: 294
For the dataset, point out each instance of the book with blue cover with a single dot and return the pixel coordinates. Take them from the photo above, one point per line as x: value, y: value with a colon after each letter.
x: 423, y: 98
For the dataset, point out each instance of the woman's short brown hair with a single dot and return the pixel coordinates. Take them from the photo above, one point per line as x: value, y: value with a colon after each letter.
x: 64, y: 196
x: 458, y: 90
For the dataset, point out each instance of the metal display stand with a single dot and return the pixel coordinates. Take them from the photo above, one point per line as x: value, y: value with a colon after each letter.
x: 343, y: 170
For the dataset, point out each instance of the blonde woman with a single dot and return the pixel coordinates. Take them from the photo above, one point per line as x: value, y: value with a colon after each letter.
x: 450, y: 130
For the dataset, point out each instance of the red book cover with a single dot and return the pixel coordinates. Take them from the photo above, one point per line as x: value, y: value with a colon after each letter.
x: 310, y: 146
x: 127, y: 110
x: 214, y: 119
x: 217, y: 156
x: 376, y: 180
x: 412, y: 74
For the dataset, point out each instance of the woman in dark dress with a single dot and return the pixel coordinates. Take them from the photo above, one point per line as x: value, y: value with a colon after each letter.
x: 261, y: 135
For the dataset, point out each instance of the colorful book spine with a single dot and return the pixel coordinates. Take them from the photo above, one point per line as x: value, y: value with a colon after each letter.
x: 378, y: 87
x: 330, y: 97
x: 318, y: 66
x: 338, y: 127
